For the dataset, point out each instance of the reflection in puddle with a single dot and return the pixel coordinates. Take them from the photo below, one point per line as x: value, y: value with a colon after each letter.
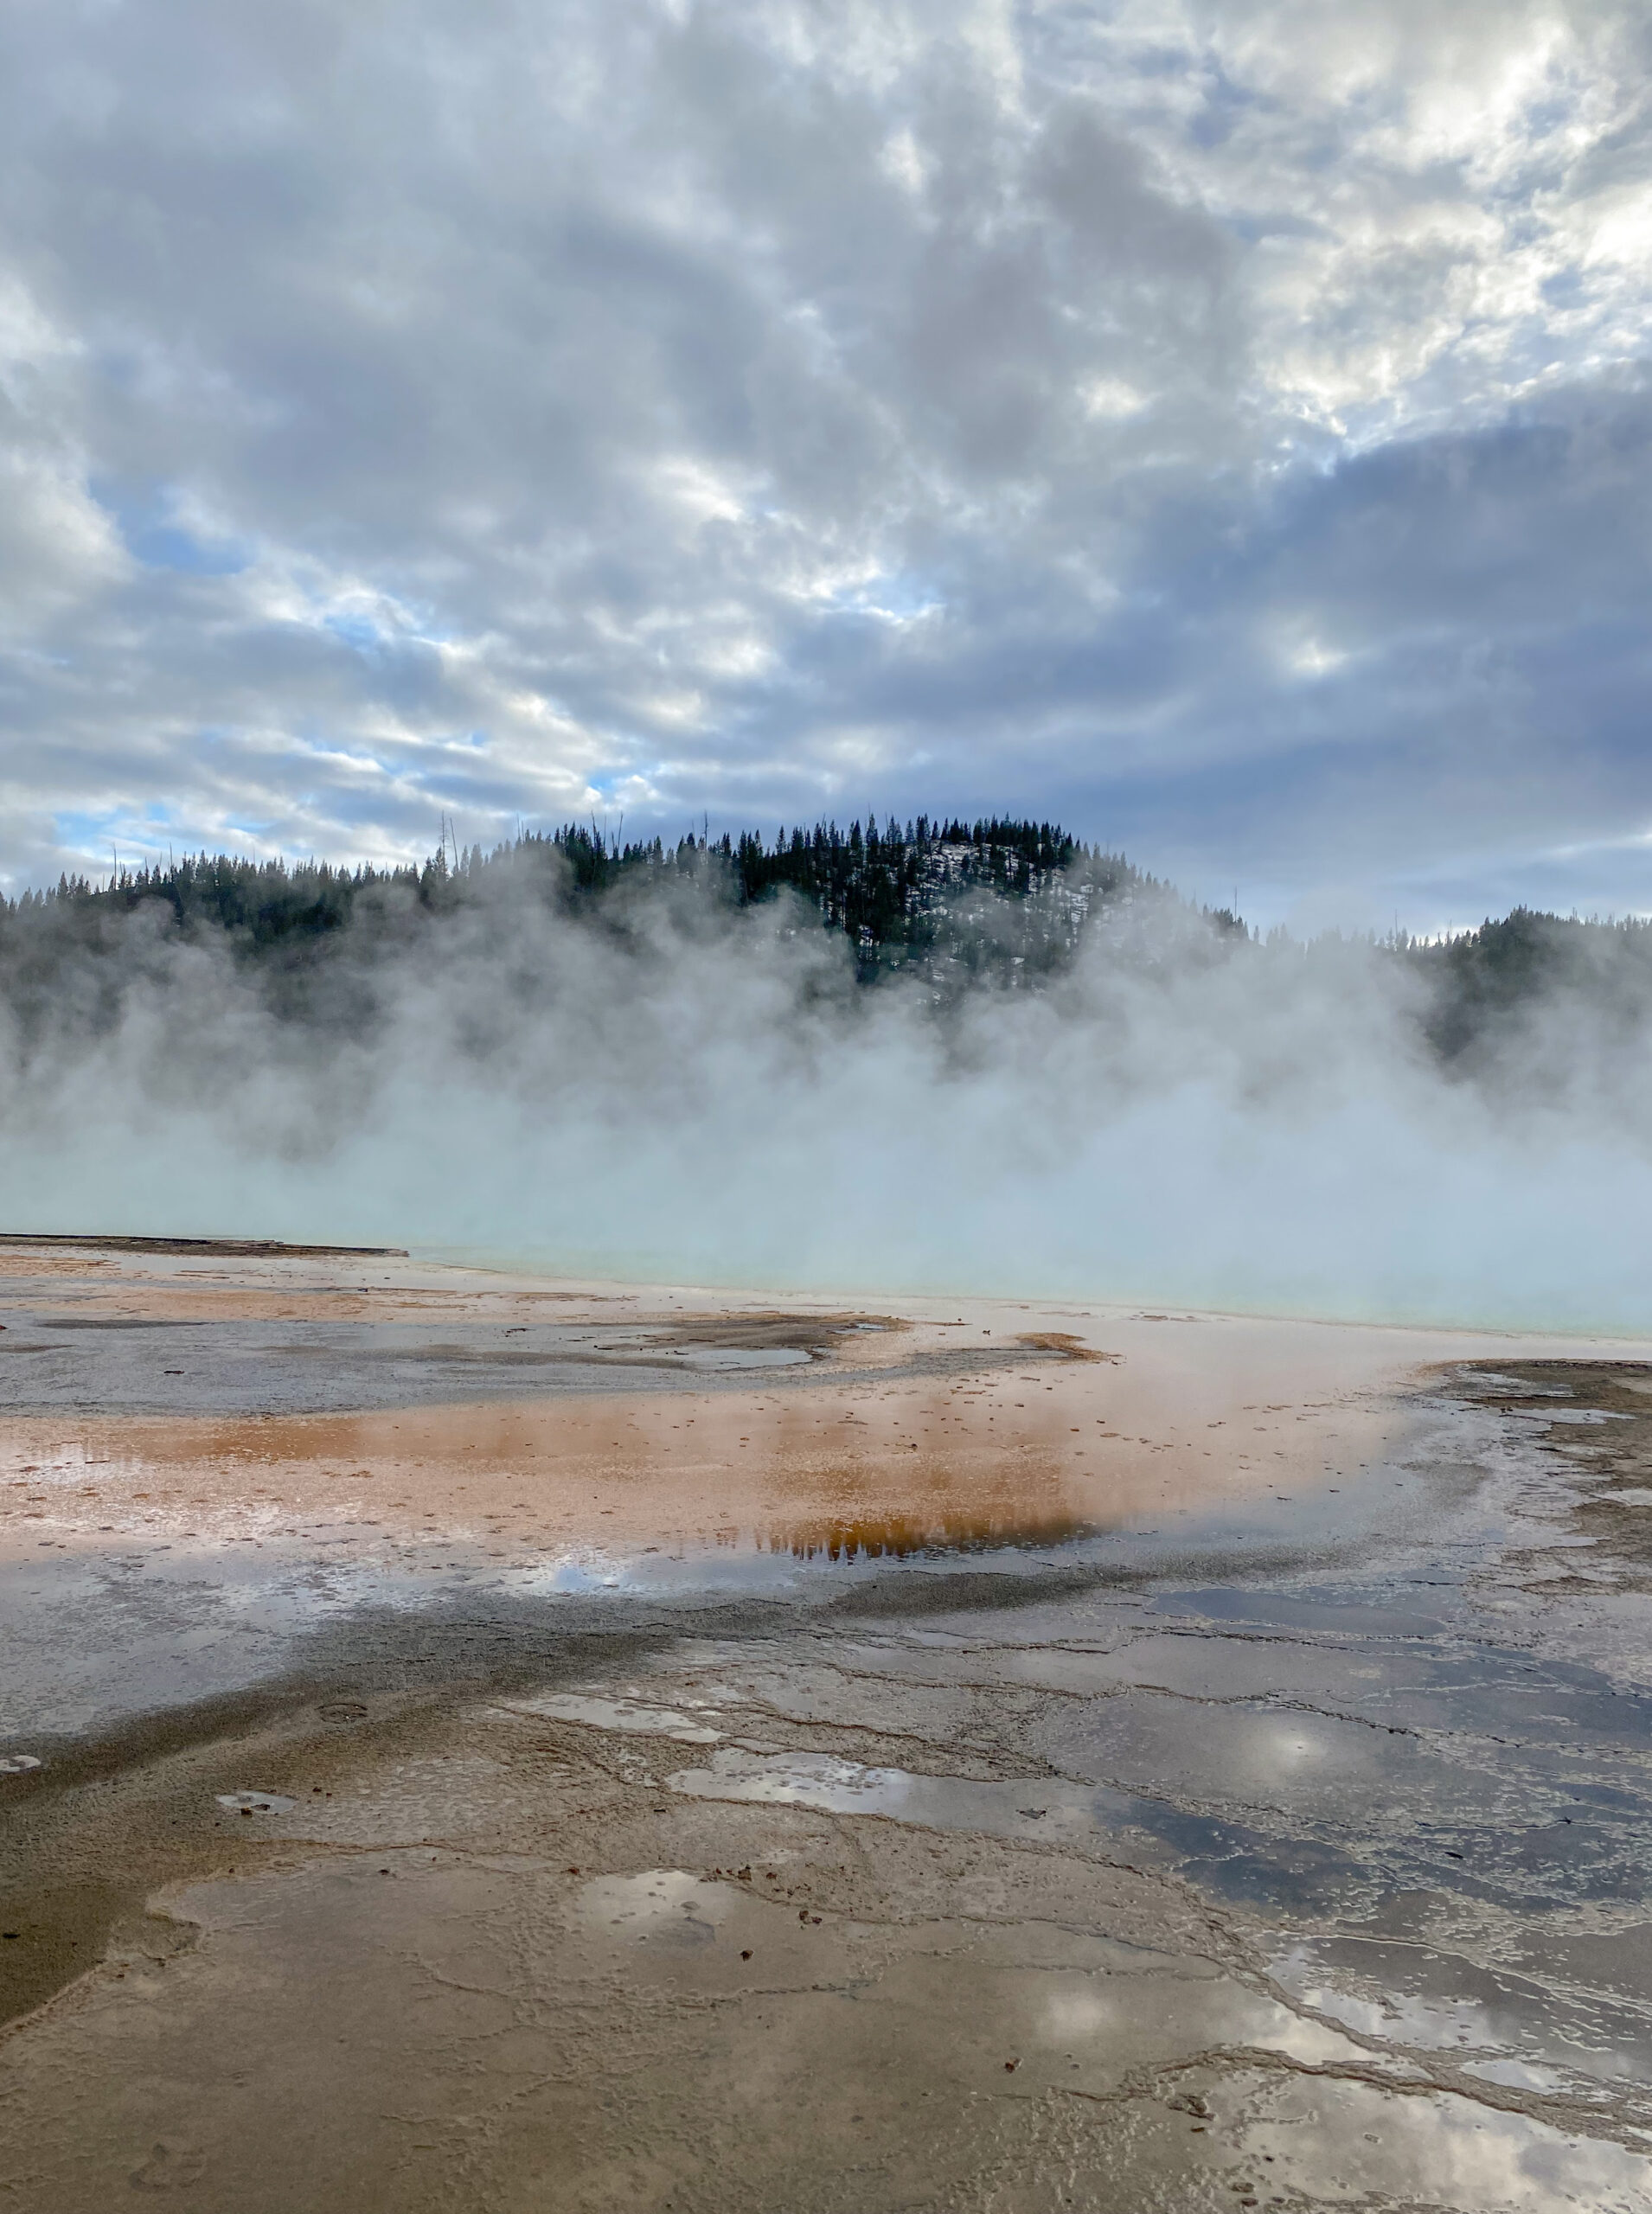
x: 797, y: 1780
x: 1509, y: 2030
x: 1520, y: 2075
x: 1428, y: 2150
x: 628, y: 1716
x: 662, y: 1906
x: 906, y: 1537
x: 1047, y: 1809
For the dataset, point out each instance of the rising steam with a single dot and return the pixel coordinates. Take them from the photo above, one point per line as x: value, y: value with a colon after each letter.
x: 683, y: 1091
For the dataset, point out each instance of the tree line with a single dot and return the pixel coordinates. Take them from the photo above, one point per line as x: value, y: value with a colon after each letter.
x: 999, y: 900
x: 893, y: 889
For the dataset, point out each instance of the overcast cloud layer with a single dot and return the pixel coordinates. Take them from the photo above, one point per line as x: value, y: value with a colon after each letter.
x: 1225, y: 427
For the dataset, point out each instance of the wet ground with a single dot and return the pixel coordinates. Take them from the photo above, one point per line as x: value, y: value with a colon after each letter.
x: 1269, y: 1832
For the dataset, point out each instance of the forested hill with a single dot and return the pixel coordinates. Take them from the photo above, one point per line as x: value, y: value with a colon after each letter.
x: 999, y: 896
x: 1003, y: 903
x: 1481, y: 984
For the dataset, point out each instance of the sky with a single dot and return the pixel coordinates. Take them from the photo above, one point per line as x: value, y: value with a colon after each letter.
x: 1226, y: 429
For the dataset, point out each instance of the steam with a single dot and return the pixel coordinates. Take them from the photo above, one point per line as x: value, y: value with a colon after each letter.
x: 680, y: 1091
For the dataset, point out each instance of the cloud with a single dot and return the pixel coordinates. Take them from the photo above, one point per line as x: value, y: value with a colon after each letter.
x: 1220, y: 425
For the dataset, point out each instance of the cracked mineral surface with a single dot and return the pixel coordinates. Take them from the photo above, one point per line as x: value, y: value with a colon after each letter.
x: 469, y: 1743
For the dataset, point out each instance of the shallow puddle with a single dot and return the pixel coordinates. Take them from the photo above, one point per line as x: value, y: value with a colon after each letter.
x: 1507, y: 2029
x: 627, y: 1715
x: 1044, y: 1811
x: 1356, y: 2145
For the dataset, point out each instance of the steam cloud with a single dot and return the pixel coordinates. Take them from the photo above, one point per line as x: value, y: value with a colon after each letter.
x: 693, y: 1094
